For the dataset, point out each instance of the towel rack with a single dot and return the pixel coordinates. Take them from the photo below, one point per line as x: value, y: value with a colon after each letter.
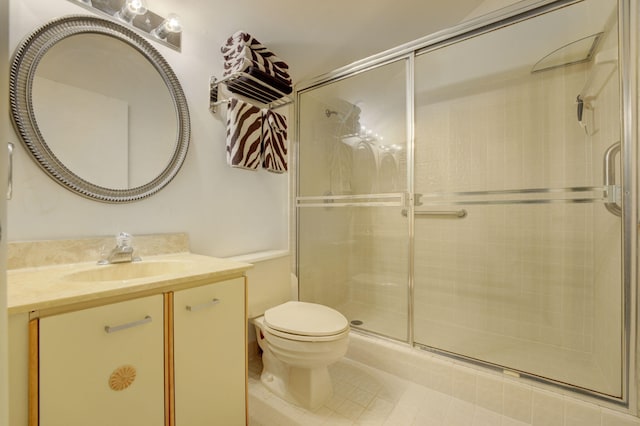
x: 248, y: 86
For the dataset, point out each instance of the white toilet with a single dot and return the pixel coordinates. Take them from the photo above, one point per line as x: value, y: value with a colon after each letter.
x: 299, y: 340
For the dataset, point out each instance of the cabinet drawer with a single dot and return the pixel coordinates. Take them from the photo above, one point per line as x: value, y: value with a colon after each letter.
x: 103, y: 366
x: 210, y: 355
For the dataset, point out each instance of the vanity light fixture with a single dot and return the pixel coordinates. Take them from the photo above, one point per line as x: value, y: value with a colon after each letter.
x: 134, y: 13
x: 171, y: 24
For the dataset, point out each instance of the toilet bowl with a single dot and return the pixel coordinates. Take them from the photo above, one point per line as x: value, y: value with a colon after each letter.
x: 300, y: 341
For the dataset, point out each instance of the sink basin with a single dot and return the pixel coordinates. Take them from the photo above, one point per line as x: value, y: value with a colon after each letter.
x: 129, y: 271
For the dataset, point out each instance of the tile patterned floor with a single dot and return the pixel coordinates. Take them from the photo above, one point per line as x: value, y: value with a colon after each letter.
x: 380, y: 382
x: 366, y: 396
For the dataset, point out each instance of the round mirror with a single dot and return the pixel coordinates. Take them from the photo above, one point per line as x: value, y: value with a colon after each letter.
x: 99, y: 109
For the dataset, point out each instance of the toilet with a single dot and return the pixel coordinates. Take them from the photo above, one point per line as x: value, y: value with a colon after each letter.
x: 299, y: 340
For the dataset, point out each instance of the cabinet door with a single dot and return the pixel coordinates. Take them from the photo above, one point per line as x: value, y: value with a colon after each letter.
x: 210, y: 355
x: 103, y: 366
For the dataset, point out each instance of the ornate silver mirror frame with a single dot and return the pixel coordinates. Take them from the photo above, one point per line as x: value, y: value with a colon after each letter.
x: 23, y: 67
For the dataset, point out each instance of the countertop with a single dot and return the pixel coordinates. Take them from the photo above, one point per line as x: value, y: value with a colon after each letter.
x: 49, y: 288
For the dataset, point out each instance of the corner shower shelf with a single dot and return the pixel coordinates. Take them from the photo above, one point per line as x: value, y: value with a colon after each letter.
x: 248, y: 86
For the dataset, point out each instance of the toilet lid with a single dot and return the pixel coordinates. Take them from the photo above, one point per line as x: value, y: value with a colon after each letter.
x: 306, y: 319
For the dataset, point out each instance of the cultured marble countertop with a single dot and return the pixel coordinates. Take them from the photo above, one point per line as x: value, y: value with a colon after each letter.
x: 42, y: 288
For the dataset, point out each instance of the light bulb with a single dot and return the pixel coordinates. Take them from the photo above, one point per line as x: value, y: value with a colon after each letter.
x: 172, y: 24
x: 131, y: 9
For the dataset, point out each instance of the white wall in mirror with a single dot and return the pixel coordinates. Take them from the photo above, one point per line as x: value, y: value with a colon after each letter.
x: 110, y: 68
x: 215, y: 204
x: 96, y: 150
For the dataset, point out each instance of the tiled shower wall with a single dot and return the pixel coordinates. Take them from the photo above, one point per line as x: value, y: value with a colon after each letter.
x: 526, y: 272
x: 518, y: 270
x: 529, y: 273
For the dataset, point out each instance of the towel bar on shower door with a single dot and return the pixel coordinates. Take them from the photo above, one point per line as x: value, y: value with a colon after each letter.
x: 438, y: 213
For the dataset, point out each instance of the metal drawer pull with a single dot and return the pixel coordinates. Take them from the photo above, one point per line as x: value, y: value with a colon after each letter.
x: 113, y: 329
x: 202, y: 305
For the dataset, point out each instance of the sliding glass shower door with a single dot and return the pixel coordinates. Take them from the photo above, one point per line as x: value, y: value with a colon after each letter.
x: 471, y: 196
x: 353, y: 239
x: 518, y: 234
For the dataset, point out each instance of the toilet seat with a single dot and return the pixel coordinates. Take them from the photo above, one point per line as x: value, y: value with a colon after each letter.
x: 305, y: 322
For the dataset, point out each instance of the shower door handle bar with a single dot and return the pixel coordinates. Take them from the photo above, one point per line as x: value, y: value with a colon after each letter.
x: 462, y: 213
x: 613, y: 190
x: 459, y: 214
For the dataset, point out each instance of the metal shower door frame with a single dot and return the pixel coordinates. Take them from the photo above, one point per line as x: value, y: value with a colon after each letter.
x: 628, y: 75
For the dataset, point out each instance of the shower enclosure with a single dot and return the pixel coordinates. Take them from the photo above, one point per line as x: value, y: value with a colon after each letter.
x: 471, y: 194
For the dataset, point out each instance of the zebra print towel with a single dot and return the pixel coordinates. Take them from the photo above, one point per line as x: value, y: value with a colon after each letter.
x: 274, y: 141
x: 242, y: 52
x: 244, y: 133
x: 235, y: 44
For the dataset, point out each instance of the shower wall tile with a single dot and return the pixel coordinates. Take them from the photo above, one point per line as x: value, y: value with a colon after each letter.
x: 548, y: 409
x: 578, y: 413
x: 489, y: 391
x: 610, y: 418
x: 464, y: 385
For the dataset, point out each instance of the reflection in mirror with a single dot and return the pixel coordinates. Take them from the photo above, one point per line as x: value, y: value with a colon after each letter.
x: 99, y: 109
x: 109, y: 118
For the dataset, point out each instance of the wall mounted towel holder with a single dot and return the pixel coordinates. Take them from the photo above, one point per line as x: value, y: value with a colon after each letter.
x: 243, y: 84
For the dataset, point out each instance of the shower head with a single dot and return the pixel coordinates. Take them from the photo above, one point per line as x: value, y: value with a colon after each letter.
x: 329, y: 113
x: 342, y: 117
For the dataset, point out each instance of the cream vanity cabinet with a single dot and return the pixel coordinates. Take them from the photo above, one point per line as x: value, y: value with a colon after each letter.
x: 103, y: 365
x: 210, y: 356
x: 173, y: 358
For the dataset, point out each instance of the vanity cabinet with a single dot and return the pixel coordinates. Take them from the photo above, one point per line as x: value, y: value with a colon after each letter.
x: 209, y: 354
x: 103, y: 365
x: 176, y: 357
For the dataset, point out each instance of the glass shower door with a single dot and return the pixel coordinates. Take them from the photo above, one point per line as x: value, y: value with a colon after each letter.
x: 353, y: 240
x: 518, y: 262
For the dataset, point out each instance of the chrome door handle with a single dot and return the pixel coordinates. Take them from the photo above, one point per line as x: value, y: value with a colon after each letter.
x: 114, y: 328
x: 613, y: 190
x: 202, y: 305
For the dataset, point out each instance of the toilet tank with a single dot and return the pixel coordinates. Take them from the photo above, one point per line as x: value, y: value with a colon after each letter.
x: 269, y: 282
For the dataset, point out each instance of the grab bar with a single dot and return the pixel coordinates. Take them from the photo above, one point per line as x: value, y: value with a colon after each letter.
x: 444, y: 213
x: 613, y: 190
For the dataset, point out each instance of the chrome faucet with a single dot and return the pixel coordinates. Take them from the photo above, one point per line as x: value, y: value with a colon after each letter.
x: 122, y: 252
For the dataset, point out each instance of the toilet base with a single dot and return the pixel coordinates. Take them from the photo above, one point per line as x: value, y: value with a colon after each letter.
x: 307, y: 387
